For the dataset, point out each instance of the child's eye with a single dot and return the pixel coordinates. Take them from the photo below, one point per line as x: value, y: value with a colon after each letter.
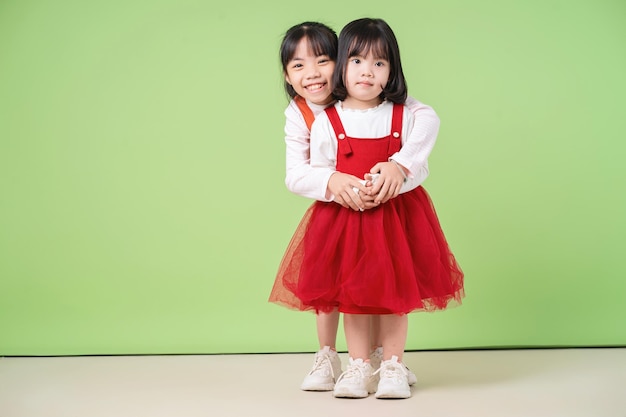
x: 323, y: 59
x: 355, y: 60
x: 297, y: 66
x: 380, y: 64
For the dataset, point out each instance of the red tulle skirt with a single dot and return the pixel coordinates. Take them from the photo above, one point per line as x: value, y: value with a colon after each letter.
x: 393, y: 259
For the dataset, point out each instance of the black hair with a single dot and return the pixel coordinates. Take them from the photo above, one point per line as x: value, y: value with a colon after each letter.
x: 322, y: 40
x: 370, y: 35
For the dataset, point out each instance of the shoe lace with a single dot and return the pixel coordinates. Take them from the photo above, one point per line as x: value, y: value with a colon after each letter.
x: 319, y: 364
x: 353, y: 371
x: 391, y: 370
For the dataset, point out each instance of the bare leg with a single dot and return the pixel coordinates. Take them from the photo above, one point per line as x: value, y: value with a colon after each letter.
x: 375, y: 340
x: 357, y: 329
x: 393, y: 332
x: 327, y: 324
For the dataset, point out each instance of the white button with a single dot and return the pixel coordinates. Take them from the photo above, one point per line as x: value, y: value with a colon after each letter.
x: 396, y: 134
x: 342, y: 136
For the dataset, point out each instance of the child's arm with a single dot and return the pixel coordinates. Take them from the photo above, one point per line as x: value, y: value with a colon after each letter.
x: 421, y: 139
x: 301, y: 178
x: 412, y: 159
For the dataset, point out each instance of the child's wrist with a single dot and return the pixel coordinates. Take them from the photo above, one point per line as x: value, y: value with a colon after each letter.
x: 401, y: 168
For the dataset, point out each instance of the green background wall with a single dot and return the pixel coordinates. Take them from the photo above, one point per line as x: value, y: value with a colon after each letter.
x: 142, y: 203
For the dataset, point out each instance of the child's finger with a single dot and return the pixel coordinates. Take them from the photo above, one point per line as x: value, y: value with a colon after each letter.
x: 352, y: 199
x: 384, y: 189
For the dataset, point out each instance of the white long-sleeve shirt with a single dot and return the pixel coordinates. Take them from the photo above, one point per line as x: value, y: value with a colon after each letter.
x: 312, y: 182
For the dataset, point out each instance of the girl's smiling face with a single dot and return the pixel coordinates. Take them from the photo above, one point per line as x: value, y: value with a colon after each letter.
x: 310, y: 75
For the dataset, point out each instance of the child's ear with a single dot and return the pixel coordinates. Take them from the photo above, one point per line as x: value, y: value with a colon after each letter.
x: 287, y: 79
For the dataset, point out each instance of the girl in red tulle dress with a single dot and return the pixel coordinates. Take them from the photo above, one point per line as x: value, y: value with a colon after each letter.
x: 389, y: 260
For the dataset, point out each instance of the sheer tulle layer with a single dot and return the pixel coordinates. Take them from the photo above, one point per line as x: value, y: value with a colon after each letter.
x: 393, y: 259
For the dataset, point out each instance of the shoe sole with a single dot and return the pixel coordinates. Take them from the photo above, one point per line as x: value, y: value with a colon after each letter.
x: 322, y: 387
x: 393, y: 394
x: 344, y: 393
x: 350, y: 394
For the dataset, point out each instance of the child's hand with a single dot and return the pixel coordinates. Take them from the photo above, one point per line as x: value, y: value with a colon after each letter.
x: 368, y: 200
x: 389, y: 183
x: 343, y: 186
x: 366, y: 197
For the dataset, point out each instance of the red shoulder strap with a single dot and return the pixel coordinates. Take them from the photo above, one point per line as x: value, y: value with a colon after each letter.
x: 396, y: 120
x: 395, y: 142
x: 342, y: 144
x: 306, y: 111
x: 335, y: 121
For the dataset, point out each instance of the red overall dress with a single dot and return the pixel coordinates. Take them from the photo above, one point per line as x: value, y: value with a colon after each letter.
x: 392, y: 259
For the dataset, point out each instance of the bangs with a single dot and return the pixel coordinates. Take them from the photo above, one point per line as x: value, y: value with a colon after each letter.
x: 364, y: 45
x: 321, y: 45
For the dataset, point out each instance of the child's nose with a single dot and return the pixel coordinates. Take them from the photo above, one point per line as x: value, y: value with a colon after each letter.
x: 314, y: 73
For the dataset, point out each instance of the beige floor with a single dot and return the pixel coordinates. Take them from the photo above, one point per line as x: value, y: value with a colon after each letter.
x: 529, y: 383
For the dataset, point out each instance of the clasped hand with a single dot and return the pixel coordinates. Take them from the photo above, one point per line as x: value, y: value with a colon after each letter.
x: 387, y: 186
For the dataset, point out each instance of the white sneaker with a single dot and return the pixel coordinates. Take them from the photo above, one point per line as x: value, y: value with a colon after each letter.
x: 356, y: 381
x: 325, y: 371
x: 376, y: 358
x: 393, y: 380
